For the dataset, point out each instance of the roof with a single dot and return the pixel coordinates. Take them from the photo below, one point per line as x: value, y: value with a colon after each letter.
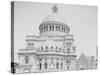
x: 54, y: 16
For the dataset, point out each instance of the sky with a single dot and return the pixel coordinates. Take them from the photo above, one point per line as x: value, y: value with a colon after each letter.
x: 81, y: 19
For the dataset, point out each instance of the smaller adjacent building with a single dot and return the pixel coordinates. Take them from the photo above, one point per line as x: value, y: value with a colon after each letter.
x: 86, y: 62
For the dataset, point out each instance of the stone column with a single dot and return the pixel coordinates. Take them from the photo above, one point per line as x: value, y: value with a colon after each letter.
x: 55, y: 60
x: 64, y: 64
x: 42, y: 62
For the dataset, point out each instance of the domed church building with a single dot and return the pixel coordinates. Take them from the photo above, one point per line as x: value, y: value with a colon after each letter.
x: 53, y: 50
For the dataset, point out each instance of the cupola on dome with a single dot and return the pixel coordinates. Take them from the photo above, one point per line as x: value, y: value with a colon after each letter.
x: 54, y: 16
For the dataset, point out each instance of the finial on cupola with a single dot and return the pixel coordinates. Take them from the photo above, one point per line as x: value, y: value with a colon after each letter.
x: 54, y: 9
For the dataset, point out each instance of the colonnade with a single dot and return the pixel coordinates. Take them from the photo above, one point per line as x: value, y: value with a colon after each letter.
x: 51, y: 64
x: 60, y: 28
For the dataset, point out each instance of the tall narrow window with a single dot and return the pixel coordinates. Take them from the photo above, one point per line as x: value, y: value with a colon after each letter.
x: 41, y: 48
x: 59, y: 28
x: 62, y: 29
x: 51, y: 47
x: 46, y: 65
x: 61, y: 65
x: 44, y: 28
x: 52, y: 28
x: 26, y: 59
x: 40, y: 65
x: 56, y: 28
x: 68, y: 50
x: 67, y: 67
x: 57, y: 65
x: 56, y: 48
x: 46, y: 48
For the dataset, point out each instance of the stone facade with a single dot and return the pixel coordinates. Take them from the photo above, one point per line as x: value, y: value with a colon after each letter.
x: 53, y: 50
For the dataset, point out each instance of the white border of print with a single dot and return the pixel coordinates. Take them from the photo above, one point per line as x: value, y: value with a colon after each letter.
x: 5, y: 28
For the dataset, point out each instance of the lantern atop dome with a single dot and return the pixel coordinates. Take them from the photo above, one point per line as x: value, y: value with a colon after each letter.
x: 54, y: 9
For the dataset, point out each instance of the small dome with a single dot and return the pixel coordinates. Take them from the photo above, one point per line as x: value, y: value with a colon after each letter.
x: 54, y: 16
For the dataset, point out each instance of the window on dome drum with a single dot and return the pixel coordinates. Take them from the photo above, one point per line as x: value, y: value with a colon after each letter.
x: 50, y: 28
x: 59, y: 28
x: 62, y: 29
x: 56, y: 28
x: 26, y: 59
x: 66, y: 30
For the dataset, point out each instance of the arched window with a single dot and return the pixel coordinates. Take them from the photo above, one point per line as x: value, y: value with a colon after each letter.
x: 46, y: 65
x: 61, y: 65
x: 67, y: 67
x: 51, y: 47
x: 26, y: 59
x: 40, y: 59
x: 40, y: 65
x: 57, y: 65
x: 59, y: 49
x: 46, y: 47
x: 41, y: 48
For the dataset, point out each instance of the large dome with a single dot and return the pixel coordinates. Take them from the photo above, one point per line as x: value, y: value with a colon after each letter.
x: 53, y: 17
x: 53, y: 25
